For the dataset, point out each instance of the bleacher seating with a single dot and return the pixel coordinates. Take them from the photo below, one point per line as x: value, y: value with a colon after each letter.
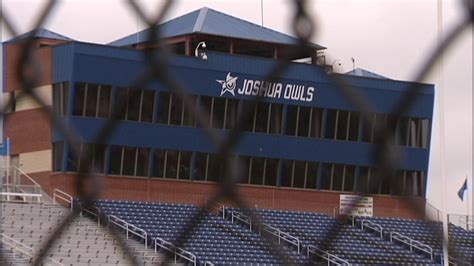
x: 342, y: 240
x: 214, y: 239
x: 431, y: 233
x: 82, y: 243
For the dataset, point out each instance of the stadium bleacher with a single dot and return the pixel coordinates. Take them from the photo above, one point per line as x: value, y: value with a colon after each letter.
x: 342, y: 240
x: 82, y: 243
x: 214, y: 240
x: 431, y: 234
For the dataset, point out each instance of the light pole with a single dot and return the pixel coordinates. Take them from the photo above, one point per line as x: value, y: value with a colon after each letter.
x: 196, y: 51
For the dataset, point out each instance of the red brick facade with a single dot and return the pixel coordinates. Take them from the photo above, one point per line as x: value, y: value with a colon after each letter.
x: 178, y: 191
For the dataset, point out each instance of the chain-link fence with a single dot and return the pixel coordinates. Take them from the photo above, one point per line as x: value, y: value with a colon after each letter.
x: 305, y: 28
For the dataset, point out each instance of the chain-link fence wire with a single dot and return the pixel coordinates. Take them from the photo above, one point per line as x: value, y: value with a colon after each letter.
x: 88, y: 185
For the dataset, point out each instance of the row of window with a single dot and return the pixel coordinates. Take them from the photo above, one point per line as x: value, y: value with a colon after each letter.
x: 186, y: 165
x: 93, y: 100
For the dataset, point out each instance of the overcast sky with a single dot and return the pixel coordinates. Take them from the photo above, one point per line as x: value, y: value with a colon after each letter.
x: 389, y: 37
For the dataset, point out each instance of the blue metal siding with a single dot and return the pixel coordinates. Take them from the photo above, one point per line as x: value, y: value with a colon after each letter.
x: 252, y: 144
x: 80, y: 62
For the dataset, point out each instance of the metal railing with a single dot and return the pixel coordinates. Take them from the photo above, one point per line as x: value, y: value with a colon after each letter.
x: 331, y: 259
x: 64, y: 197
x: 373, y: 226
x: 19, y: 247
x: 156, y: 68
x: 412, y: 243
x: 178, y: 252
x: 129, y: 228
x: 282, y: 236
x: 238, y: 216
x: 466, y: 222
x: 18, y: 184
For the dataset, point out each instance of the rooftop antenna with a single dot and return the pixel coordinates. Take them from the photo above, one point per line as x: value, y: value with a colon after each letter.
x: 261, y: 10
x: 353, y: 63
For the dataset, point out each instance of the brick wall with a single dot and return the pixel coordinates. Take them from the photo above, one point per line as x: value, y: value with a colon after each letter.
x: 177, y: 191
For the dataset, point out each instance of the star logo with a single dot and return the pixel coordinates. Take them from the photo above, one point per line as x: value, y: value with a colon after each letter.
x: 228, y: 85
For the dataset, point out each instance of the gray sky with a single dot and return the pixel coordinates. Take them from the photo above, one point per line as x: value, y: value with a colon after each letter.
x: 390, y: 37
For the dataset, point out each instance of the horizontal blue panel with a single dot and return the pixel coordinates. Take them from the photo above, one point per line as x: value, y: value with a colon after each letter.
x: 252, y: 144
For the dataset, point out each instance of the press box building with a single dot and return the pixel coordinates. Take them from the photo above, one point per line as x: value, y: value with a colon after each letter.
x: 303, y: 148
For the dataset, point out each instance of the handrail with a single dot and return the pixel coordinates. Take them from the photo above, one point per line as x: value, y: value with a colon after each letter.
x: 130, y: 228
x: 208, y: 263
x: 21, y: 194
x: 371, y: 225
x: 17, y: 246
x: 26, y: 175
x: 57, y: 193
x: 412, y: 243
x: 221, y: 207
x: 23, y: 249
x: 292, y: 240
x: 330, y: 258
x: 178, y: 252
x: 91, y: 212
x: 235, y: 215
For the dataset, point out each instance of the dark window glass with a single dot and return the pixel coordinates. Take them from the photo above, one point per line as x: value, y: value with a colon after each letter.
x: 71, y: 161
x: 337, y: 175
x: 57, y: 98
x: 342, y: 123
x: 261, y: 123
x: 163, y: 107
x: 231, y: 113
x: 248, y: 109
x: 275, y: 118
x: 189, y: 113
x: 214, y: 170
x: 147, y: 106
x: 385, y: 184
x: 349, y: 177
x: 171, y: 164
x: 104, y: 101
x: 129, y: 154
x: 58, y: 154
x: 79, y: 99
x: 99, y: 158
x: 391, y: 127
x: 412, y: 183
x: 271, y: 170
x: 316, y: 122
x: 122, y: 98
x: 364, y: 180
x: 176, y: 110
x: 256, y: 174
x: 354, y: 126
x: 367, y: 129
x: 158, y: 163
x: 299, y: 174
x: 374, y: 186
x: 142, y: 161
x: 326, y: 171
x: 115, y: 160
x: 206, y: 105
x: 397, y: 183
x: 185, y: 165
x: 419, y: 183
x: 218, y: 113
x: 199, y: 171
x: 87, y: 152
x: 291, y: 118
x: 65, y: 98
x: 133, y: 108
x: 311, y: 175
x: 304, y: 121
x: 286, y: 173
x: 330, y: 124
x: 425, y: 133
x: 402, y: 131
x: 380, y: 124
x: 244, y: 163
x: 91, y: 101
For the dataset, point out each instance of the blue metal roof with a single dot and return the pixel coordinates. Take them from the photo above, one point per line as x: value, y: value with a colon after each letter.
x: 365, y: 73
x: 40, y: 33
x: 212, y: 22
